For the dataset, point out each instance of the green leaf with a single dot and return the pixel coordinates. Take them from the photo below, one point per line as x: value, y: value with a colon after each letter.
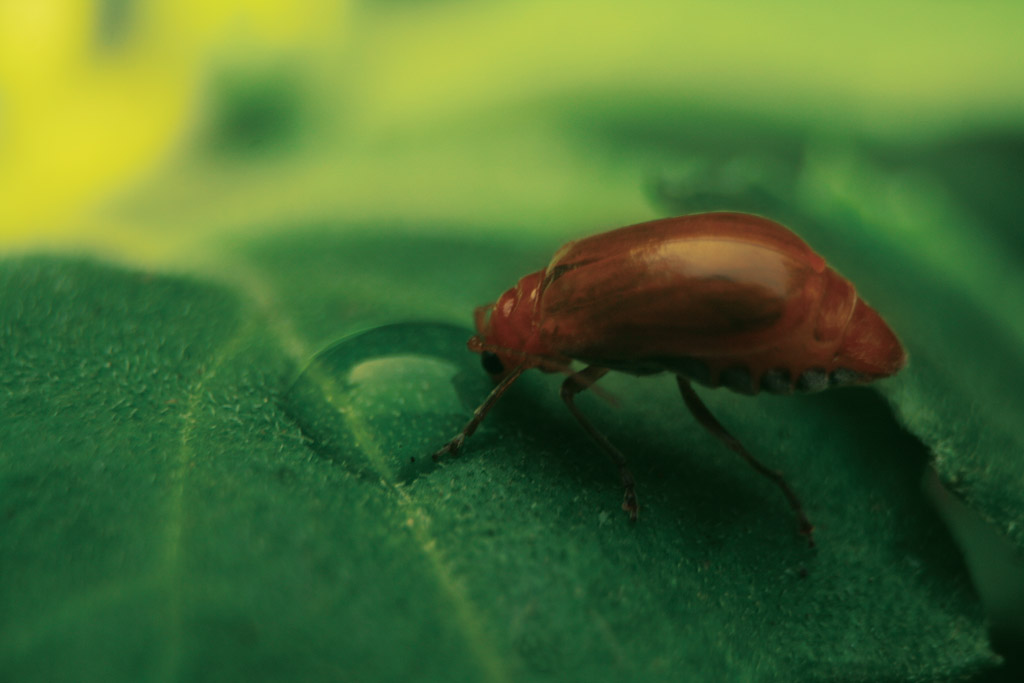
x: 172, y: 506
x: 224, y: 475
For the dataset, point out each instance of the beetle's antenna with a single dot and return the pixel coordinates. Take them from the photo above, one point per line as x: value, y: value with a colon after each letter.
x: 479, y: 414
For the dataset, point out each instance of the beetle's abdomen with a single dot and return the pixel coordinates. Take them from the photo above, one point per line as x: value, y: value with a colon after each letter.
x: 845, y: 342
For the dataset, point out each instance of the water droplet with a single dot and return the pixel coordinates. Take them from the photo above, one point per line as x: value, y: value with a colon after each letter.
x: 378, y: 399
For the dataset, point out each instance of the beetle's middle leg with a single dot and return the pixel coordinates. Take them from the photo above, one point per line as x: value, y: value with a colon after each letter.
x: 573, y: 385
x: 708, y: 421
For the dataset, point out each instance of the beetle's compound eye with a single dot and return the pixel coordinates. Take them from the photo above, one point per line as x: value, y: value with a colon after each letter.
x: 492, y: 364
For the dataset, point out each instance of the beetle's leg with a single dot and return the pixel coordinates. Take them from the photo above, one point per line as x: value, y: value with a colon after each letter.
x: 708, y: 421
x: 573, y: 385
x: 479, y: 414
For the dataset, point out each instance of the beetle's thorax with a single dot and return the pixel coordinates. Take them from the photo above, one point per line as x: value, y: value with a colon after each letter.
x: 509, y: 326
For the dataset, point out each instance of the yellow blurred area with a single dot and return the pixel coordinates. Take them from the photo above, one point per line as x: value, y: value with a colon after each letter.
x: 76, y: 125
x: 80, y: 121
x: 435, y: 109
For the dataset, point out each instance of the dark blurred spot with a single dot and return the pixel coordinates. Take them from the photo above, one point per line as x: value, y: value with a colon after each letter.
x: 692, y: 368
x: 982, y: 170
x: 708, y: 192
x: 777, y: 381
x: 707, y: 159
x: 255, y: 112
x: 114, y: 19
x: 737, y: 378
x: 492, y: 364
x: 285, y: 475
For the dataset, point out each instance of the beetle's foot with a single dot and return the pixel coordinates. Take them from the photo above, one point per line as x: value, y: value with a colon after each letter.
x: 629, y: 503
x: 807, y: 529
x: 452, y: 447
x: 629, y: 491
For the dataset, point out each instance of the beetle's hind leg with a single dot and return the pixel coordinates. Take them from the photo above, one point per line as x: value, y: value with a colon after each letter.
x: 708, y: 421
x: 573, y: 385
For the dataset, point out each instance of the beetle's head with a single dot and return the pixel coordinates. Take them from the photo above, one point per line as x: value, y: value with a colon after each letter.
x: 505, y: 337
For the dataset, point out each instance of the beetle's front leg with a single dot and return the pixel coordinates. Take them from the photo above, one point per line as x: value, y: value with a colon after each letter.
x: 479, y: 414
x: 573, y: 385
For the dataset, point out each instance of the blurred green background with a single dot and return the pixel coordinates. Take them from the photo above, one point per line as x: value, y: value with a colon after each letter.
x: 141, y: 126
x: 275, y: 176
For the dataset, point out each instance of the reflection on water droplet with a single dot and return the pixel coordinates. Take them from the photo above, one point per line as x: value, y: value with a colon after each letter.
x: 376, y: 399
x: 408, y: 384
